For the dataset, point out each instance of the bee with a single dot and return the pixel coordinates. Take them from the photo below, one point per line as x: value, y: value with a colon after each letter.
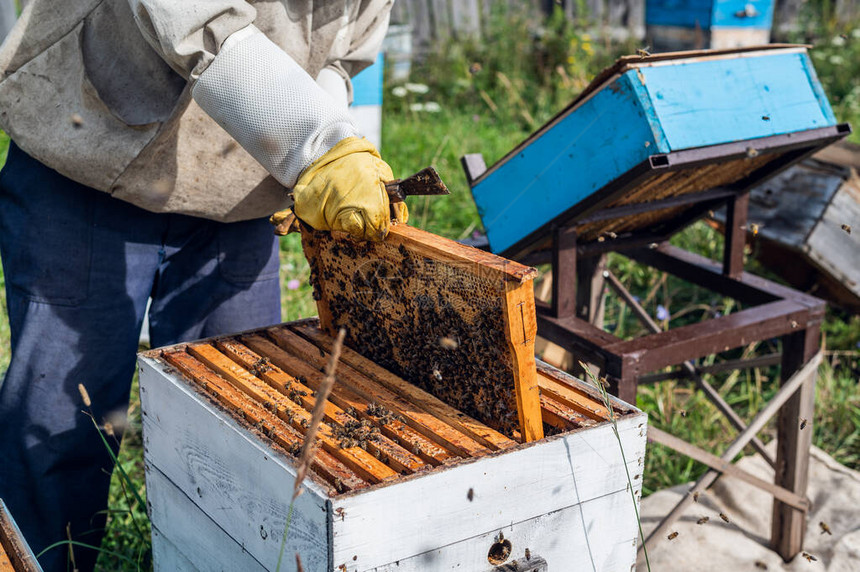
x: 802, y: 424
x: 471, y: 494
x: 752, y: 152
x: 760, y: 565
x: 77, y: 120
x: 448, y: 343
x: 437, y: 374
x: 682, y: 412
x: 843, y: 36
x: 703, y: 520
x: 653, y: 245
x: 475, y: 67
x: 611, y: 234
x: 809, y: 557
x: 724, y: 517
x: 825, y: 528
x: 528, y: 554
x: 754, y: 228
x: 846, y: 228
x: 673, y: 535
x: 765, y: 117
x: 696, y: 496
x: 643, y: 52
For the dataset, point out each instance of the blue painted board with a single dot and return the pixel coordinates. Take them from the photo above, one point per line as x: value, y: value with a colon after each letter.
x: 666, y: 107
x: 720, y: 101
x: 681, y: 13
x: 708, y: 14
x: 367, y: 84
x: 742, y: 14
x: 606, y: 136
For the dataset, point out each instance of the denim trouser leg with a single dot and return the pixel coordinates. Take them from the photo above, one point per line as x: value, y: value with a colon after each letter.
x: 79, y: 267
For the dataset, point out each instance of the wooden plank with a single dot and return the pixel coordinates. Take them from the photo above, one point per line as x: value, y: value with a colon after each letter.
x: 801, y: 356
x: 366, y: 465
x: 14, y: 549
x: 572, y: 399
x: 237, y: 480
x: 401, y: 299
x: 520, y: 333
x: 441, y: 410
x: 381, y: 446
x: 5, y: 562
x: 345, y: 397
x: 597, y: 537
x: 725, y: 467
x: 415, y: 417
x: 272, y: 427
x: 179, y: 523
x: 830, y: 246
x: 565, y: 471
x: 561, y: 417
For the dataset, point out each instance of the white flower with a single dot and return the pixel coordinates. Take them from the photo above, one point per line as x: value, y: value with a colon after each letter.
x: 417, y: 88
x: 838, y: 41
x: 836, y: 60
x: 855, y: 33
x: 416, y: 107
x: 432, y: 107
x: 399, y: 91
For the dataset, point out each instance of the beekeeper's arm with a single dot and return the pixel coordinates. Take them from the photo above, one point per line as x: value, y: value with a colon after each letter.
x: 274, y: 109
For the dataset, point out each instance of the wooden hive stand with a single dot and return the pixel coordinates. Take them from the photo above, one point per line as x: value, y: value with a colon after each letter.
x: 681, y: 157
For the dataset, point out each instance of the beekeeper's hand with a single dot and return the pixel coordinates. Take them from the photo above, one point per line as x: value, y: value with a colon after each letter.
x: 345, y: 190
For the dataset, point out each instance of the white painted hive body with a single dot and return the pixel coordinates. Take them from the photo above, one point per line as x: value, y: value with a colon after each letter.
x: 219, y: 491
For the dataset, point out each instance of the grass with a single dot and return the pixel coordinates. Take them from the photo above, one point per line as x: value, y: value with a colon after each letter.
x: 490, y: 98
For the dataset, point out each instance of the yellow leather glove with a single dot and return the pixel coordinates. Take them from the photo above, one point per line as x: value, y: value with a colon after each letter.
x: 345, y: 190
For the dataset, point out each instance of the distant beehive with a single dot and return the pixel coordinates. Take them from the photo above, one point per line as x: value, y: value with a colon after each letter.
x: 672, y: 25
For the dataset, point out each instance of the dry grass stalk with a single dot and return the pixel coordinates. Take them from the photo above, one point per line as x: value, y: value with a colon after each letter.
x: 309, y: 446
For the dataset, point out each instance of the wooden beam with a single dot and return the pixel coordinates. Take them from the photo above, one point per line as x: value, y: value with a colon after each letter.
x: 725, y: 467
x: 735, y: 235
x: 520, y: 333
x: 794, y: 438
x: 785, y: 393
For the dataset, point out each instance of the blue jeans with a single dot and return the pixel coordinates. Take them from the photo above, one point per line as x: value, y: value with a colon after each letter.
x: 79, y: 267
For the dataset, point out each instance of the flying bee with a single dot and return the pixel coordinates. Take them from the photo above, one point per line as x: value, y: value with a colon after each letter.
x: 643, y: 52
x: 724, y: 517
x: 754, y: 228
x: 809, y: 557
x: 703, y: 520
x: 673, y: 535
x: 765, y: 117
x: 760, y: 565
x: 846, y: 228
x: 696, y: 496
x: 802, y: 424
x: 825, y: 528
x: 471, y: 494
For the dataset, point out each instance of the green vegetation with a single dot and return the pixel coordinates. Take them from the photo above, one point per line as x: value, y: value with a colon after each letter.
x: 486, y: 97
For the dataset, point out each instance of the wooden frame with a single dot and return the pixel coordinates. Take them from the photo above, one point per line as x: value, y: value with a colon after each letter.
x: 399, y: 298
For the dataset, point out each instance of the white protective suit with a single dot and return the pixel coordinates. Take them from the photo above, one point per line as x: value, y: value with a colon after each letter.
x: 126, y: 96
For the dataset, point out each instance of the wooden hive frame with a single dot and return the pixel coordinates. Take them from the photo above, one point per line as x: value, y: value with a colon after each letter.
x: 15, y: 554
x: 454, y: 320
x: 377, y: 426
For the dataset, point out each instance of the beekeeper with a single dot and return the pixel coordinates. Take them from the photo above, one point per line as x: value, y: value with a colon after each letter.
x: 125, y: 181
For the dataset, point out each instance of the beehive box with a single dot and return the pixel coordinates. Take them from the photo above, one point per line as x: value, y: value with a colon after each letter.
x: 15, y: 553
x: 696, y: 24
x: 402, y: 481
x: 651, y: 128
